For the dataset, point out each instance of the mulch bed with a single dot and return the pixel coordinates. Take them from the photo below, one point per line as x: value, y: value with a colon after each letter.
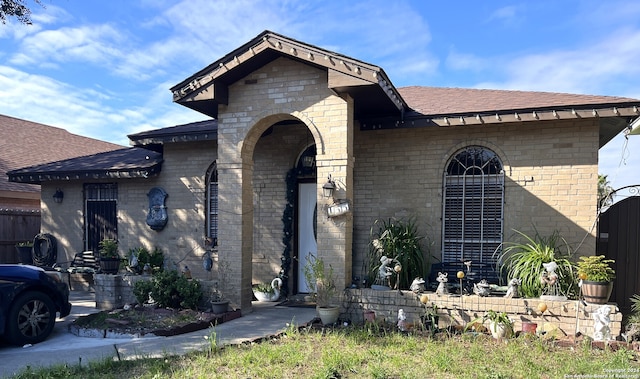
x: 143, y: 321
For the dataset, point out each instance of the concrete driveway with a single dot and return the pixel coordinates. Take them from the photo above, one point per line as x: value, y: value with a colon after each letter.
x: 63, y: 347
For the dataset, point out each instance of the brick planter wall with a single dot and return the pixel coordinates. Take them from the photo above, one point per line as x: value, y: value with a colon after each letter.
x: 454, y: 310
x: 114, y: 291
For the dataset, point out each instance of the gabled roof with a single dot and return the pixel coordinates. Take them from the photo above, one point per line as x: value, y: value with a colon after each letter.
x: 379, y: 105
x: 27, y: 143
x: 131, y: 162
x: 368, y: 84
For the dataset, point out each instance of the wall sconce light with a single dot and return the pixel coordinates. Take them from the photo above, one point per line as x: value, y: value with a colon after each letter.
x: 58, y: 196
x: 328, y: 187
x: 308, y: 161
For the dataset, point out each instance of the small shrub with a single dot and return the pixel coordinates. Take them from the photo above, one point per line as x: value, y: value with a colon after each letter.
x: 169, y: 289
x: 154, y: 258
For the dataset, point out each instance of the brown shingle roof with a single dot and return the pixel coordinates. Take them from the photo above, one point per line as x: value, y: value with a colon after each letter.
x: 25, y: 143
x: 447, y: 101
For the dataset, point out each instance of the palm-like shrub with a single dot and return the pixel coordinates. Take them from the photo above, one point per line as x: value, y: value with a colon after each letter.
x: 401, y: 240
x: 524, y: 260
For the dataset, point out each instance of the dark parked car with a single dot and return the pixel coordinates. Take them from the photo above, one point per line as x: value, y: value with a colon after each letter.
x: 30, y: 297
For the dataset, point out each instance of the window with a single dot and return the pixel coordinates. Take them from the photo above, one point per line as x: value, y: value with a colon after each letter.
x: 473, y: 206
x: 212, y: 203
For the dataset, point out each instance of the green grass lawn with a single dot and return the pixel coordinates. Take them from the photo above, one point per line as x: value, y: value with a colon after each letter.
x: 370, y: 352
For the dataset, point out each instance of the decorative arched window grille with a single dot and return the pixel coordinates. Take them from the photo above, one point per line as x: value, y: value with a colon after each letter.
x: 473, y: 206
x: 212, y: 203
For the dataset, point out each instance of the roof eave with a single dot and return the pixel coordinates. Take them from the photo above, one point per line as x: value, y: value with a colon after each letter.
x: 130, y: 173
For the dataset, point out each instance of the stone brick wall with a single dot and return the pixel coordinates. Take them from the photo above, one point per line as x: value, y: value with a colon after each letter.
x: 456, y: 310
x: 114, y: 291
x: 399, y: 173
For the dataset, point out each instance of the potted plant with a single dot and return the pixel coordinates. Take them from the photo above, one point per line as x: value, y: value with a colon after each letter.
x: 500, y: 324
x: 322, y: 282
x: 25, y: 252
x: 267, y: 291
x: 597, y: 278
x: 525, y: 259
x: 109, y: 256
x: 219, y: 304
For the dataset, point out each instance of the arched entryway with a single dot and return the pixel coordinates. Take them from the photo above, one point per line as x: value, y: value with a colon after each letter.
x: 285, y: 202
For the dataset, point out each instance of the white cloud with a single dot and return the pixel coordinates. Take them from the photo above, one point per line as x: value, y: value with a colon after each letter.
x: 97, y: 44
x: 592, y: 69
x: 505, y: 14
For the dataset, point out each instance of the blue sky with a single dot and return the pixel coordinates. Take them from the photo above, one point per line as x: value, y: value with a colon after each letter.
x: 103, y: 68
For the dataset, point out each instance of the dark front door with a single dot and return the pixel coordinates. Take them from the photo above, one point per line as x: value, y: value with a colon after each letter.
x: 100, y: 214
x: 619, y: 239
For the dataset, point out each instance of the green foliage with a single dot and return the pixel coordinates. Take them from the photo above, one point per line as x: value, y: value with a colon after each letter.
x: 108, y: 248
x: 141, y: 290
x: 320, y: 279
x: 401, y: 240
x: 498, y: 318
x: 264, y: 287
x: 154, y: 258
x: 169, y: 289
x: 634, y: 317
x: 597, y: 268
x: 362, y: 354
x: 524, y: 260
x: 605, y: 191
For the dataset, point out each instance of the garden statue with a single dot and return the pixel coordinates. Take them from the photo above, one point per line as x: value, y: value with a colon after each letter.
x: 482, y: 288
x: 512, y: 291
x: 549, y: 280
x: 385, y: 271
x: 601, y: 321
x: 402, y: 320
x: 417, y: 285
x: 442, y: 286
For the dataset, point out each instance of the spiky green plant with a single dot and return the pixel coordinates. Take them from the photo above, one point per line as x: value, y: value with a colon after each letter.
x: 399, y: 239
x: 524, y: 260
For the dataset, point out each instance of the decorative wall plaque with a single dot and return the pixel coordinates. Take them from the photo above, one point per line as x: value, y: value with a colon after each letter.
x: 157, y: 217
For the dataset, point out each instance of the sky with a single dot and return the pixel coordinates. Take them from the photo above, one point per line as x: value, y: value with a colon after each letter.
x: 103, y: 68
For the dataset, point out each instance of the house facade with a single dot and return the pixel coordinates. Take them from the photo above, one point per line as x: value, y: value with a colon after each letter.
x: 26, y: 143
x: 287, y: 119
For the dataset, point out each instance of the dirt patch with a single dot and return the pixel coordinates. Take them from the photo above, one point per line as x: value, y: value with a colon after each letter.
x: 142, y: 321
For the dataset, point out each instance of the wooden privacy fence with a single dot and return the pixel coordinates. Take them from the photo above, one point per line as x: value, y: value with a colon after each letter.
x: 15, y: 226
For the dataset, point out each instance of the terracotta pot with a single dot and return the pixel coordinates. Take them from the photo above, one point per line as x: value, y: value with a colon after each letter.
x: 596, y: 292
x: 369, y: 316
x: 529, y: 327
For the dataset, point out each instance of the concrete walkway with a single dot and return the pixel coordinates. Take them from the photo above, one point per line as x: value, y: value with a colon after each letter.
x: 62, y: 347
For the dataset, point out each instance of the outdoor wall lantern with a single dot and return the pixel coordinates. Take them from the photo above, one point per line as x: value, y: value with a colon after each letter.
x: 58, y: 196
x: 328, y: 187
x: 308, y: 161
